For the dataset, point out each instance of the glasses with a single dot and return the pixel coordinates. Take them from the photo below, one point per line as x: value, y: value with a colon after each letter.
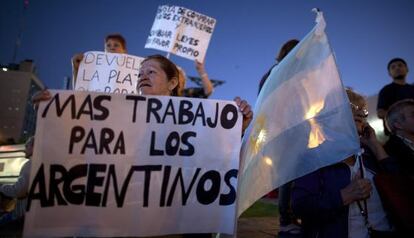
x: 358, y: 108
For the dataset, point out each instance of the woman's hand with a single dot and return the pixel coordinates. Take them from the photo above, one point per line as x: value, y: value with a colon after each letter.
x: 76, y: 59
x: 200, y: 67
x: 207, y: 85
x: 358, y: 189
x: 43, y: 95
x: 246, y: 111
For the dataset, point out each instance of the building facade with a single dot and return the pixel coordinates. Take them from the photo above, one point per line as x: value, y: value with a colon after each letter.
x: 17, y: 114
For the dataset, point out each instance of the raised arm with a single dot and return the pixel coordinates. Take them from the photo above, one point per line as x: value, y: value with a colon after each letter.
x: 207, y: 85
x: 76, y: 59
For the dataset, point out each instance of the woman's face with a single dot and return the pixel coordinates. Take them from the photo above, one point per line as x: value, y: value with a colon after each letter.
x: 360, y: 114
x: 114, y: 46
x: 152, y: 80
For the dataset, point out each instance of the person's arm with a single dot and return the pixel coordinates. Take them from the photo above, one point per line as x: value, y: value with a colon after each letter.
x: 370, y: 140
x: 381, y: 113
x: 381, y: 104
x: 20, y: 187
x: 207, y: 85
x: 76, y: 59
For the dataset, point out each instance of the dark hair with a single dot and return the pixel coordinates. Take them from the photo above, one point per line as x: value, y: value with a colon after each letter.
x: 284, y: 50
x: 117, y: 37
x: 168, y: 67
x: 396, y: 60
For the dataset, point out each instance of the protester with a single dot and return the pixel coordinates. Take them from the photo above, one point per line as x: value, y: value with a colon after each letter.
x: 289, y: 226
x: 114, y: 43
x: 159, y: 76
x: 398, y: 90
x: 284, y: 50
x: 397, y: 190
x: 400, y: 122
x: 341, y: 200
x: 19, y: 189
x: 203, y: 92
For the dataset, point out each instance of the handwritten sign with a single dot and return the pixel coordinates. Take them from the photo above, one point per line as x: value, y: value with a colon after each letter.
x: 129, y: 165
x: 181, y: 31
x: 108, y: 72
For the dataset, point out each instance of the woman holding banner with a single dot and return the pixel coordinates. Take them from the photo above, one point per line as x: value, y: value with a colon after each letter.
x: 158, y: 76
x: 341, y: 200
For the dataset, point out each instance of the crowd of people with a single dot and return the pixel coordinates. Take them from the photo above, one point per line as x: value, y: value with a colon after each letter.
x: 347, y: 199
x: 365, y: 195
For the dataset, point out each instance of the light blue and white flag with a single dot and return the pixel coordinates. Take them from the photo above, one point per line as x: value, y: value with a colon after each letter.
x: 302, y: 122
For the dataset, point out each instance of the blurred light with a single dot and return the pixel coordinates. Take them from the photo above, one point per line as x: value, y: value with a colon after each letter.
x: 377, y: 124
x: 268, y: 160
x: 261, y: 137
x: 5, y: 69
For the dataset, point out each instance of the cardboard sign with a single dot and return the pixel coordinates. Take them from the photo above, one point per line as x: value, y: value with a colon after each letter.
x: 108, y: 72
x: 181, y: 31
x: 129, y: 165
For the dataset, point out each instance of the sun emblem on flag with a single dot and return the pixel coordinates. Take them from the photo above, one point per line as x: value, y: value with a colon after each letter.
x: 259, y: 134
x: 316, y: 135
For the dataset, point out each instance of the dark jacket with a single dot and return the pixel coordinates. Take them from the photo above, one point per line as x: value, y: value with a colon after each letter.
x: 316, y: 197
x: 396, y: 148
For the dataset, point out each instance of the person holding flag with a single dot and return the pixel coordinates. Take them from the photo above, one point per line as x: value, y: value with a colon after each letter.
x: 341, y: 200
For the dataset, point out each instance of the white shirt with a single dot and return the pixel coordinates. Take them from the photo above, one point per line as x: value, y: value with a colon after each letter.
x: 376, y: 214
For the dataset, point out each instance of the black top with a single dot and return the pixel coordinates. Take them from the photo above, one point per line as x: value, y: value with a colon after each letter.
x: 396, y: 148
x: 194, y: 93
x: 264, y: 78
x: 393, y: 93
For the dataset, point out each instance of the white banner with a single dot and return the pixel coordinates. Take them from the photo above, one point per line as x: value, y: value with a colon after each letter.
x: 181, y: 31
x: 129, y: 165
x: 108, y: 72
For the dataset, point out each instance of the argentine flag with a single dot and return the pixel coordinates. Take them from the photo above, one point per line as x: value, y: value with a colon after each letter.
x: 303, y: 120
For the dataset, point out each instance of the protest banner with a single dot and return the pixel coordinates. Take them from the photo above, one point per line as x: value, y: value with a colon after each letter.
x: 129, y: 165
x: 108, y: 72
x: 181, y: 31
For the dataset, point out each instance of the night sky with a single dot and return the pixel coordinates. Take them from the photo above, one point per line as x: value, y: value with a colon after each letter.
x: 365, y: 35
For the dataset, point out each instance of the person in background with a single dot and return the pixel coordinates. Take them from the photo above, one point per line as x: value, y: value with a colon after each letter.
x: 397, y: 190
x: 400, y: 122
x: 284, y: 50
x: 289, y: 226
x: 341, y: 200
x: 203, y: 92
x: 398, y: 90
x: 19, y: 189
x: 114, y: 43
